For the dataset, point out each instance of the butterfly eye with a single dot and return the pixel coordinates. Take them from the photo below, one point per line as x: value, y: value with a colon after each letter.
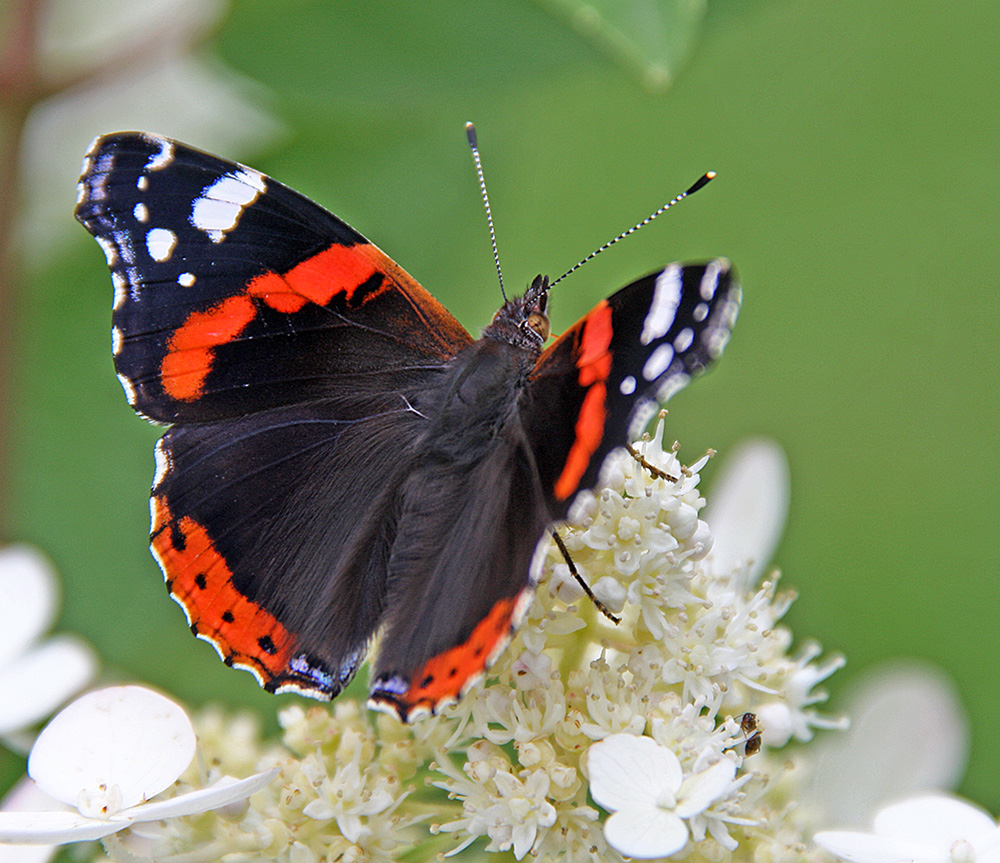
x: 539, y: 323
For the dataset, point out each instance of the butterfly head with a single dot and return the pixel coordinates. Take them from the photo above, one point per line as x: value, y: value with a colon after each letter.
x: 523, y: 321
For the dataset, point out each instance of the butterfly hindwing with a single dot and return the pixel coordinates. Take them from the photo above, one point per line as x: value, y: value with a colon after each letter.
x: 274, y: 531
x: 459, y: 576
x: 609, y: 372
x: 234, y: 293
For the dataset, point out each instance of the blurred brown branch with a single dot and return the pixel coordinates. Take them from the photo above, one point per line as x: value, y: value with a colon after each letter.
x: 20, y: 90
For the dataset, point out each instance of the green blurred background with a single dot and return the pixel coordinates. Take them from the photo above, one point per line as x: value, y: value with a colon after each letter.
x: 856, y: 144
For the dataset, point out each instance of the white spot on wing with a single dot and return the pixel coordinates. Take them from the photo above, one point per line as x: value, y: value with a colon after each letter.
x: 161, y: 242
x: 162, y: 463
x: 185, y: 280
x: 116, y: 341
x: 672, y: 385
x: 129, y: 389
x: 220, y: 205
x: 81, y: 186
x: 142, y: 183
x: 700, y: 312
x: 120, y: 286
x: 642, y: 413
x: 165, y: 155
x: 659, y: 361
x: 134, y: 282
x: 123, y: 243
x: 710, y: 279
x: 717, y: 333
x: 110, y: 252
x: 683, y: 340
x: 141, y: 213
x: 98, y: 169
x: 663, y: 309
x: 627, y: 386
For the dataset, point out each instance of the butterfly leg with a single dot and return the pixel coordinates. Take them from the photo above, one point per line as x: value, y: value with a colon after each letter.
x: 601, y: 607
x: 652, y: 468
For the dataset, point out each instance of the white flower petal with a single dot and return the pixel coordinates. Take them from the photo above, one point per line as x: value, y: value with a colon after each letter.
x: 522, y: 838
x: 41, y: 679
x: 934, y: 820
x: 26, y: 796
x: 909, y: 735
x: 223, y: 792
x: 748, y: 506
x: 645, y: 833
x: 29, y: 596
x: 112, y: 749
x: 702, y: 790
x: 52, y: 828
x: 626, y: 770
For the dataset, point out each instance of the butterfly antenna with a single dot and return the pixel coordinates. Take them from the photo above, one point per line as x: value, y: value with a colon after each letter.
x: 470, y: 132
x: 703, y: 180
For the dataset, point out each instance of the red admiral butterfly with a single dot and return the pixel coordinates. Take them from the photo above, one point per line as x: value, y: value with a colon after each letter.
x: 343, y: 458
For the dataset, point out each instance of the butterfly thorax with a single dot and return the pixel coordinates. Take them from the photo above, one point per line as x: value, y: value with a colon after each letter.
x: 476, y: 400
x: 522, y: 321
x: 478, y: 396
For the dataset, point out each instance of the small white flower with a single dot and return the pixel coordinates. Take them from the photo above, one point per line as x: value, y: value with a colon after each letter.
x: 349, y: 798
x: 514, y: 811
x: 932, y: 829
x: 643, y: 785
x: 35, y: 678
x: 104, y: 757
x: 525, y: 809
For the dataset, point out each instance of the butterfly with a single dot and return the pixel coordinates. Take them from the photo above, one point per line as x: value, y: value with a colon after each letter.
x: 342, y: 458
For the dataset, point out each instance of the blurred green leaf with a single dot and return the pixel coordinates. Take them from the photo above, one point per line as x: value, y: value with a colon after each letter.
x: 652, y: 37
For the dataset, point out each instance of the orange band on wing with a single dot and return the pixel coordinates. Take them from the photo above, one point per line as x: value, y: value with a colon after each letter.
x: 337, y: 270
x: 594, y: 361
x: 589, y: 430
x: 594, y: 364
x: 445, y: 675
x: 244, y: 633
x: 189, y: 351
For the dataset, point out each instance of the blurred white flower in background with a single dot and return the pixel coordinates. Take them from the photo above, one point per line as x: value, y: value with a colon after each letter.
x: 130, y: 65
x: 748, y: 507
x: 930, y: 829
x: 908, y: 736
x: 36, y: 675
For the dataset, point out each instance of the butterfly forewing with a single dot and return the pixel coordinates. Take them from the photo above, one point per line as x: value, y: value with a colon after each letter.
x: 234, y: 293
x: 610, y: 371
